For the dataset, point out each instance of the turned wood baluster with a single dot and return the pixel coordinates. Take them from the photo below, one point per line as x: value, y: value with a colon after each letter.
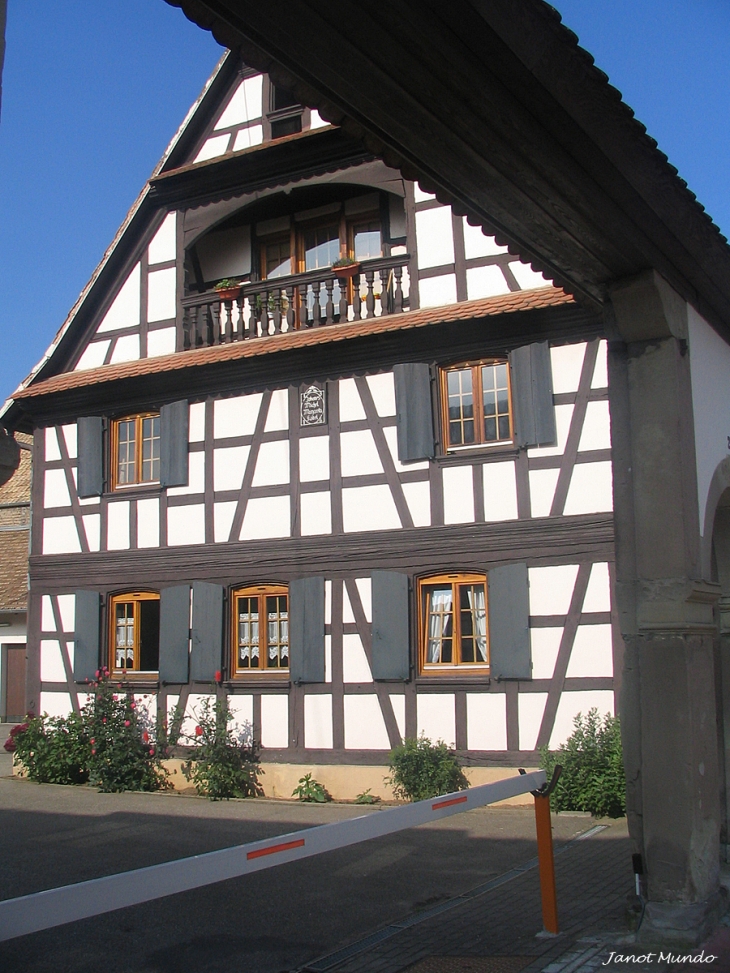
x: 238, y: 333
x: 398, y: 298
x: 227, y: 334
x: 369, y: 297
x: 329, y: 308
x: 356, y: 299
x: 343, y: 305
x: 276, y: 310
x: 316, y: 307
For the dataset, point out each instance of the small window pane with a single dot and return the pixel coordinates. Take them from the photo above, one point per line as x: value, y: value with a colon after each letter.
x: 126, y: 450
x: 460, y: 407
x: 321, y: 247
x: 150, y: 449
x: 248, y: 633
x: 366, y: 241
x: 278, y: 259
x: 495, y: 398
x: 278, y: 632
x: 439, y: 624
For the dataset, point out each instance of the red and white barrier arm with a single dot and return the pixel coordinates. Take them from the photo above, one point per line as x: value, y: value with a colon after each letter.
x: 54, y: 907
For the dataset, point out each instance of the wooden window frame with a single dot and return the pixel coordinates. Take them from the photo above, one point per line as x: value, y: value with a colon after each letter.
x: 138, y: 419
x: 260, y: 591
x: 456, y: 667
x: 122, y: 598
x: 480, y: 442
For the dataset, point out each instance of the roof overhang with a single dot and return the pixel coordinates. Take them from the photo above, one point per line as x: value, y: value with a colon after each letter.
x: 492, y: 104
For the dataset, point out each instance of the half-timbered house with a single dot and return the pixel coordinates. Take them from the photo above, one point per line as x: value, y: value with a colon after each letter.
x: 365, y: 490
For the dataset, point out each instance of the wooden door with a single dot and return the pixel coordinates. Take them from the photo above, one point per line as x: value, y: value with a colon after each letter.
x: 14, y: 683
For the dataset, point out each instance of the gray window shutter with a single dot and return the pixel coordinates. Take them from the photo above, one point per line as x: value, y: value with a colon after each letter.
x: 532, y: 395
x: 414, y: 412
x: 509, y: 633
x: 91, y: 456
x: 306, y: 630
x: 86, y: 641
x: 174, y: 444
x: 174, y: 634
x: 391, y: 654
x: 206, y: 654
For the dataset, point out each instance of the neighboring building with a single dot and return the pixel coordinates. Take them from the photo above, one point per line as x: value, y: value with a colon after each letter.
x: 290, y: 490
x: 14, y: 545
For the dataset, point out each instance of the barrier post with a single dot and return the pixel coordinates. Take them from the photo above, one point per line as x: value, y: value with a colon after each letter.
x: 545, y: 855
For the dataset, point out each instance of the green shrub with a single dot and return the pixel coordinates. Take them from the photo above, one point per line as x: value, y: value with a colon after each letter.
x: 123, y: 754
x: 311, y: 791
x: 593, y: 771
x: 222, y: 767
x: 420, y: 769
x: 53, y: 749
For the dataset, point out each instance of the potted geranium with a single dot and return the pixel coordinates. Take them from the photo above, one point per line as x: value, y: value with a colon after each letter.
x: 228, y: 289
x: 346, y: 267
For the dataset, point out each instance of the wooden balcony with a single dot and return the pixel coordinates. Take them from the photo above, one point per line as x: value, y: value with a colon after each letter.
x: 315, y: 299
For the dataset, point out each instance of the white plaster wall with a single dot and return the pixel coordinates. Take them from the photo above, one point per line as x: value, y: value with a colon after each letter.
x: 364, y: 723
x: 196, y: 477
x: 435, y: 238
x: 266, y: 517
x: 318, y: 721
x: 369, y: 508
x: 328, y: 658
x: 52, y: 451
x: 316, y: 120
x: 124, y: 309
x: 600, y: 372
x: 186, y: 525
x: 274, y: 721
x: 542, y: 491
x: 316, y: 513
x: 418, y: 498
x: 229, y: 465
x: 458, y: 495
x: 314, y: 458
x: 551, y: 589
x: 710, y: 373
x: 591, y: 489
x: 48, y: 623
x: 355, y: 666
x: 526, y: 277
x: 598, y: 592
x: 236, y: 416
x: 193, y: 711
x: 148, y: 522
x: 359, y: 454
x: 350, y: 404
x: 398, y: 702
x: 246, y: 138
x: 161, y: 342
x: 196, y: 422
x: 272, y: 464
x: 93, y: 356
x: 69, y: 434
x: 592, y: 653
x: 437, y: 291
x: 277, y: 417
x: 245, y: 104
x: 596, y: 432
x: 223, y: 514
x: 545, y: 644
x: 563, y: 417
x: 382, y: 389
x: 212, y: 148
x: 579, y: 702
x: 530, y: 709
x: 60, y: 536
x: 436, y: 717
x: 67, y: 611
x: 485, y: 282
x: 242, y: 723
x: 92, y: 526
x: 477, y: 243
x: 486, y: 721
x: 162, y: 245
x: 500, y: 491
x: 55, y: 704
x: 117, y: 530
x: 567, y: 362
x: 55, y: 489
x: 391, y: 438
x: 161, y: 294
x: 126, y: 349
x: 52, y: 669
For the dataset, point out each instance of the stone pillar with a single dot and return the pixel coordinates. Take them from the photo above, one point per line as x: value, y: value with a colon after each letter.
x: 666, y: 613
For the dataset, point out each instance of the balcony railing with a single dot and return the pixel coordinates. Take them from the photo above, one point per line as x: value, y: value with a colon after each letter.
x: 311, y: 300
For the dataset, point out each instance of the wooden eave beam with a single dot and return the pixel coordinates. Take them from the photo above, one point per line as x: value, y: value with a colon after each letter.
x: 491, y: 104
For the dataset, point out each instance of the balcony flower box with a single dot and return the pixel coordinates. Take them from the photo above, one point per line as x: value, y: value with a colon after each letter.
x: 346, y: 268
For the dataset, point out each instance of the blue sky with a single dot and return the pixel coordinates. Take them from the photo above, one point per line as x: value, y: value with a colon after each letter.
x: 90, y: 103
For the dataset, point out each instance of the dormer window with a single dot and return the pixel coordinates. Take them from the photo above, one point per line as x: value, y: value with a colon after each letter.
x: 285, y: 113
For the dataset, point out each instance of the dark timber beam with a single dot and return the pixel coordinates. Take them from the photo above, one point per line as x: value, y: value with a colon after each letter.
x: 491, y: 104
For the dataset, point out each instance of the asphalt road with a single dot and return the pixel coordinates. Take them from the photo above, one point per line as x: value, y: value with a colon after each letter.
x: 269, y: 922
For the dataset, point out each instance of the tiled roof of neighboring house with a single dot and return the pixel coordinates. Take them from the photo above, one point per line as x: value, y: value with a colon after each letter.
x: 466, y: 310
x: 17, y: 489
x: 14, y: 570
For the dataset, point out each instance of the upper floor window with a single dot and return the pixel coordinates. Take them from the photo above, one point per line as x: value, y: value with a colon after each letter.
x: 285, y: 113
x: 135, y: 632
x: 453, y: 622
x: 260, y: 629
x: 135, y: 450
x: 476, y: 404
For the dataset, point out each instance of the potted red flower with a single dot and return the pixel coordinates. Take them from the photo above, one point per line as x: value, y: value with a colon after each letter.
x: 346, y: 267
x: 228, y: 289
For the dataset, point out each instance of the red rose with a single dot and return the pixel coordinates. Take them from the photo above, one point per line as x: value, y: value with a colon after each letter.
x: 152, y: 751
x: 145, y: 736
x: 127, y: 723
x: 218, y: 675
x: 198, y: 731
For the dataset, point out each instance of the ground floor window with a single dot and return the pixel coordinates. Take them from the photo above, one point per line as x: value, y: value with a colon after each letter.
x: 453, y: 623
x: 135, y: 632
x: 260, y: 629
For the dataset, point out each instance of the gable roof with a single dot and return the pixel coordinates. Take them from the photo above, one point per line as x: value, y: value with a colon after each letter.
x: 494, y: 106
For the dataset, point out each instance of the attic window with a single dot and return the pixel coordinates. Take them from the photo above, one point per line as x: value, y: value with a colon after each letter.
x: 285, y: 113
